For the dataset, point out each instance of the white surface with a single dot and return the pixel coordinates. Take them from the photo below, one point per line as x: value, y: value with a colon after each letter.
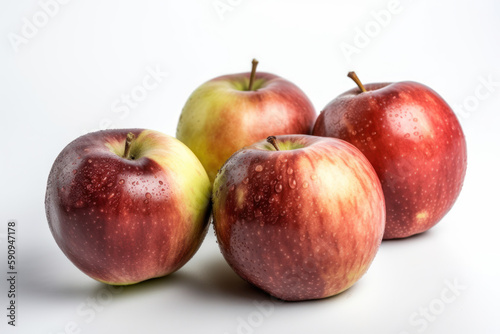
x: 69, y: 76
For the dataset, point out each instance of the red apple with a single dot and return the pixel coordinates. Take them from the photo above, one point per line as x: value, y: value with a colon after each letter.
x: 127, y: 205
x: 413, y: 140
x: 304, y: 222
x: 232, y: 111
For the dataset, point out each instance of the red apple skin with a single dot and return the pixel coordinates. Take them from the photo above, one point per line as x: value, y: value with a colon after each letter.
x: 415, y: 143
x: 299, y: 224
x: 123, y: 221
x: 221, y: 116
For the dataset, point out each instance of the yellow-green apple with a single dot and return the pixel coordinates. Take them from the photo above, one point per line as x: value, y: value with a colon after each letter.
x: 232, y: 111
x: 413, y: 140
x: 128, y: 205
x: 300, y: 217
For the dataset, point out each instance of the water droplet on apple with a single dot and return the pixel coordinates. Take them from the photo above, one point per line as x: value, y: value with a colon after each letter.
x: 280, y: 177
x: 148, y: 195
x: 283, y: 213
x: 146, y: 201
x: 302, y: 237
x: 246, y: 180
x: 292, y: 183
x: 259, y: 168
x: 420, y: 137
x: 160, y: 182
x: 257, y: 213
x: 74, y: 171
x: 289, y: 171
x: 232, y: 188
x: 407, y: 135
x: 89, y: 161
x: 278, y: 188
x: 257, y: 197
x: 415, y: 119
x: 305, y: 184
x: 314, y: 177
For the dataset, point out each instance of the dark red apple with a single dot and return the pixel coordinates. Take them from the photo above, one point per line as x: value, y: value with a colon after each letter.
x: 413, y: 140
x: 301, y: 217
x: 128, y: 205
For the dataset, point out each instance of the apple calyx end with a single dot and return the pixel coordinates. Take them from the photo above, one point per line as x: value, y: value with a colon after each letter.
x: 272, y: 140
x: 358, y: 82
x: 252, y: 74
x: 128, y: 143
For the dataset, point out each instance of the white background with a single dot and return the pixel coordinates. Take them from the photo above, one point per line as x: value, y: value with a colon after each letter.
x: 67, y: 77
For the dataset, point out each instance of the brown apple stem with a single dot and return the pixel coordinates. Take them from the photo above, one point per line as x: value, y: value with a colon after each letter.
x: 355, y: 78
x: 252, y: 74
x: 128, y: 144
x: 272, y: 140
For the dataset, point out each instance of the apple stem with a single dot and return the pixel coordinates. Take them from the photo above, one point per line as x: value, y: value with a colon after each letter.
x: 272, y: 140
x: 252, y: 74
x: 128, y: 144
x: 355, y: 78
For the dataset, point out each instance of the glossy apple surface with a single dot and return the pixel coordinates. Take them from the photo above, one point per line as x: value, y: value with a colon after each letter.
x: 222, y: 115
x: 301, y: 223
x: 415, y: 143
x: 122, y: 220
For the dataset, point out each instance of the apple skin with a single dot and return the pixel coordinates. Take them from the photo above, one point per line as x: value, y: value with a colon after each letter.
x: 301, y: 223
x: 221, y: 116
x: 122, y: 221
x: 415, y: 143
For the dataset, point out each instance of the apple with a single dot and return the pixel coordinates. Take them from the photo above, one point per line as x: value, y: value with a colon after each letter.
x: 232, y: 111
x: 127, y: 205
x: 300, y: 217
x: 413, y: 140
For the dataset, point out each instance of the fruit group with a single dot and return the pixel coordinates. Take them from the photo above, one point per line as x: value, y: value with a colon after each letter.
x: 127, y: 205
x: 304, y: 222
x: 225, y: 114
x: 413, y: 140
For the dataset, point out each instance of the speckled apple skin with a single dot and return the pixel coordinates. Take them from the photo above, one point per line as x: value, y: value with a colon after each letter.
x: 299, y: 224
x: 415, y: 143
x: 123, y: 221
x: 221, y: 116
